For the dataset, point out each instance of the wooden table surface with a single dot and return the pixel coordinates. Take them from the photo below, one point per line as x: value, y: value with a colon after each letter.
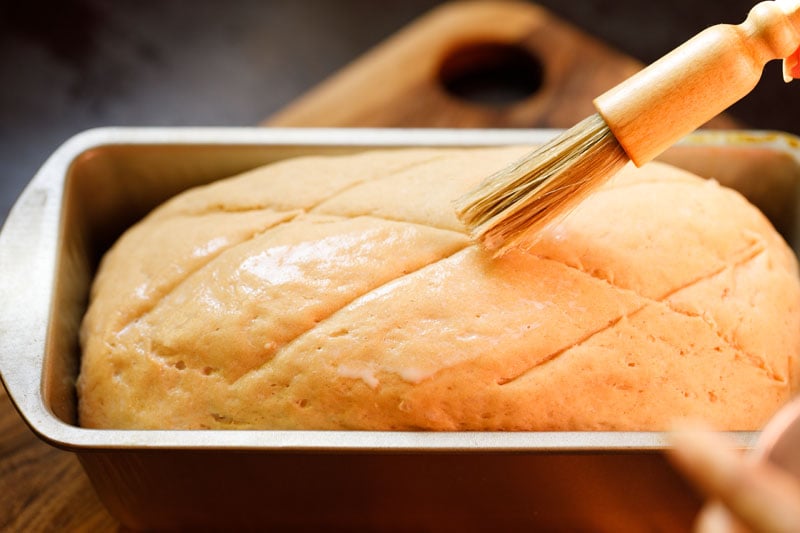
x: 462, y: 65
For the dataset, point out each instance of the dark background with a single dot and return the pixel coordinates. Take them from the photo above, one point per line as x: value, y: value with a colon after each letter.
x: 75, y: 64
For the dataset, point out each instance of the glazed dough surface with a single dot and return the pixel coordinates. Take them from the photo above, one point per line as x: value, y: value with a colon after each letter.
x: 342, y: 293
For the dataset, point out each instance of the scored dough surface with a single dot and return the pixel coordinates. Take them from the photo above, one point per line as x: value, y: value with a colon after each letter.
x: 341, y: 292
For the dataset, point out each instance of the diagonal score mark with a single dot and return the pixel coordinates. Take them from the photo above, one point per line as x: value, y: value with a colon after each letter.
x: 188, y: 274
x: 756, y: 360
x: 388, y: 175
x: 738, y: 257
x: 222, y: 207
x: 333, y: 313
x: 742, y: 257
x: 561, y: 351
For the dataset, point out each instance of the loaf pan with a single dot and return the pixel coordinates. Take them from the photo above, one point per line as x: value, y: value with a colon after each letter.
x: 101, y: 181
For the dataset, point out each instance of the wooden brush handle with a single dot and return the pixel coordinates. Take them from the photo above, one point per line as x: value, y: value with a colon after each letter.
x: 680, y: 92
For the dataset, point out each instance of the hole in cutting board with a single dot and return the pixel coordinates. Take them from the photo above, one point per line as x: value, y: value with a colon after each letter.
x: 496, y: 74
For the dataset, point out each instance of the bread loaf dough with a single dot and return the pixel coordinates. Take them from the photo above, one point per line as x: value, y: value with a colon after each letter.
x: 341, y: 292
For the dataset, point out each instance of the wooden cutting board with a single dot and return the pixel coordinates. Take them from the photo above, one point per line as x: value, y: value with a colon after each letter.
x: 471, y: 64
x: 465, y: 64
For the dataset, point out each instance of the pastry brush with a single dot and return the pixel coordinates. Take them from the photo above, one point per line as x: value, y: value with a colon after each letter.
x: 635, y: 121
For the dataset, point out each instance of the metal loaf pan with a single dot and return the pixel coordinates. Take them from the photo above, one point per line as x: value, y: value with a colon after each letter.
x: 101, y: 181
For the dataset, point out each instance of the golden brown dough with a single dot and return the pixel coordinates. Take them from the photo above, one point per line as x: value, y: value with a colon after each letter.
x: 341, y: 292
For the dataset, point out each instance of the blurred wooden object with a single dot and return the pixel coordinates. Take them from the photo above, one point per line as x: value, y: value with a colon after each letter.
x: 470, y: 64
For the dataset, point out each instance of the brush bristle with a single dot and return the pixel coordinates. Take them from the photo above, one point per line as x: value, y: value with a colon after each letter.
x: 512, y: 205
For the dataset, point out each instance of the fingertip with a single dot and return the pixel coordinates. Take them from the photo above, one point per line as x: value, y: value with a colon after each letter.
x: 715, y: 518
x: 703, y: 456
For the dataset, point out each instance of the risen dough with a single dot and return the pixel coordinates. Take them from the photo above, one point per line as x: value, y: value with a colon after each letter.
x: 341, y: 292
